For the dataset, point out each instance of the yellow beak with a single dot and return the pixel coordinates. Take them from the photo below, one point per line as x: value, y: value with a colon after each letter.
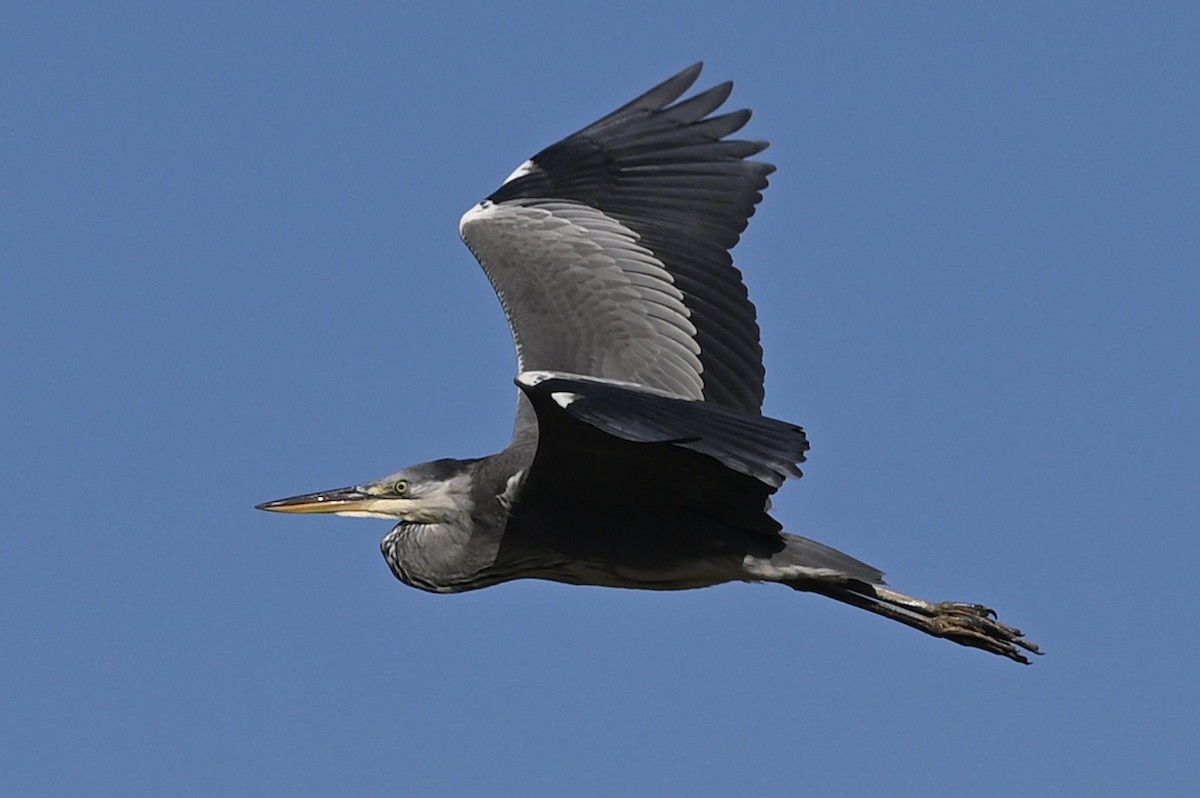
x: 340, y: 500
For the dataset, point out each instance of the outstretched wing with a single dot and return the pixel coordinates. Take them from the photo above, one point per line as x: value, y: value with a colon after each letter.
x: 610, y: 249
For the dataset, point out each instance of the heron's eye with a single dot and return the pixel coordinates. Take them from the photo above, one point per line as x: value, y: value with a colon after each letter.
x: 401, y: 487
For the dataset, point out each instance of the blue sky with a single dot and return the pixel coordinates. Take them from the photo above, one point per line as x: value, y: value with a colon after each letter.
x: 231, y: 272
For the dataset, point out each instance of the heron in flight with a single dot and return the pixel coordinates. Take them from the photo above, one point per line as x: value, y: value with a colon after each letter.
x: 640, y: 457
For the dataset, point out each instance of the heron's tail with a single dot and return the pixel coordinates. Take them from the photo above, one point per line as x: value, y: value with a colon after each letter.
x: 824, y: 561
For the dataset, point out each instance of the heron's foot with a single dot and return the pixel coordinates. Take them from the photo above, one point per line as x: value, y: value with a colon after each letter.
x: 967, y: 624
x: 978, y: 626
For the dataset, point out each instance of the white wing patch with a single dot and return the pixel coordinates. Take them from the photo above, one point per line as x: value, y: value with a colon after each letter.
x: 520, y: 171
x: 564, y: 398
x: 583, y: 296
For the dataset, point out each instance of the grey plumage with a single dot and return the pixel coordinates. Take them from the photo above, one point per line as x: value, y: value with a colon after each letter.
x: 640, y: 457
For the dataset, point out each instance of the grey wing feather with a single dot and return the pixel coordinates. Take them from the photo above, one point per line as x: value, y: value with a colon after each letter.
x: 764, y: 448
x: 583, y: 296
x: 628, y: 275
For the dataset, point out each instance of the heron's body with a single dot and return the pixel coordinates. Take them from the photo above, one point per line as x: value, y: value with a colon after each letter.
x: 640, y: 457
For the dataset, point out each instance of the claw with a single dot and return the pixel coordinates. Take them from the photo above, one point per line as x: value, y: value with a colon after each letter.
x: 964, y: 607
x: 977, y: 626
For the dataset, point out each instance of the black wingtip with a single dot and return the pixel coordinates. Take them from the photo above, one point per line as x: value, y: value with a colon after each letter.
x: 655, y: 99
x: 694, y: 70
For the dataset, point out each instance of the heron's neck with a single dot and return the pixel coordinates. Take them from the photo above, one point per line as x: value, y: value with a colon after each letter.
x: 433, y: 557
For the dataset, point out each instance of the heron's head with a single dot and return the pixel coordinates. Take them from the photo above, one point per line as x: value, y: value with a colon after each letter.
x: 430, y: 493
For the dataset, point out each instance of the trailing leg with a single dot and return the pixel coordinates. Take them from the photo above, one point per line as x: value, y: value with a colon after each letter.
x: 966, y: 624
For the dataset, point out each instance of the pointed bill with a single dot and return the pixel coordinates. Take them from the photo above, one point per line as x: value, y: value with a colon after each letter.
x: 339, y: 500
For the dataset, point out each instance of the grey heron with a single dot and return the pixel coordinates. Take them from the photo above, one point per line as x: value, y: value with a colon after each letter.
x: 640, y: 457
